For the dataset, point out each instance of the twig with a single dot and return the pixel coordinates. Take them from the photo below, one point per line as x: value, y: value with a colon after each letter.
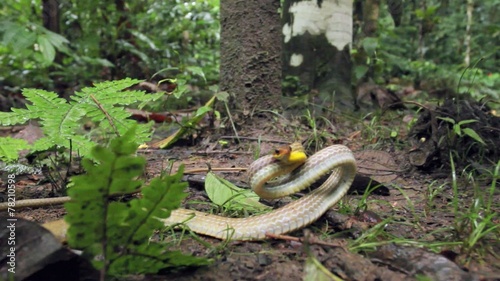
x: 255, y: 139
x: 105, y: 114
x: 202, y: 170
x: 220, y: 151
x: 3, y: 205
x: 232, y: 122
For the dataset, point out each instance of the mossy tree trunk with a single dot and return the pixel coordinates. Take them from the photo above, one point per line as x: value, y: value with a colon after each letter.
x: 250, y: 67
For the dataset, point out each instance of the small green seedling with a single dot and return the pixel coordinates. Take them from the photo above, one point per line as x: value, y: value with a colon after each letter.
x: 459, y: 131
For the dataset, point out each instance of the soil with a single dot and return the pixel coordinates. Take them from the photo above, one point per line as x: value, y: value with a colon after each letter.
x: 405, y: 209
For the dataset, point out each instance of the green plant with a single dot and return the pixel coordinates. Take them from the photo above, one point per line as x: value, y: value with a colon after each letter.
x: 224, y: 97
x: 106, y: 40
x: 373, y: 237
x: 9, y: 148
x: 19, y: 36
x: 433, y: 190
x: 473, y: 224
x: 293, y: 87
x: 318, y: 135
x: 375, y: 127
x: 481, y: 85
x: 27, y: 48
x: 117, y: 235
x: 363, y: 202
x: 460, y: 132
x: 186, y: 125
x: 314, y: 270
x: 61, y: 120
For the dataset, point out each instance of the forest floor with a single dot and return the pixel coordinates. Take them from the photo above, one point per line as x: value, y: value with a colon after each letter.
x: 406, y: 231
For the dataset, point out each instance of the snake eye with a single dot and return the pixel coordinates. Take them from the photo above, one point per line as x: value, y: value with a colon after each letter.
x: 282, y: 153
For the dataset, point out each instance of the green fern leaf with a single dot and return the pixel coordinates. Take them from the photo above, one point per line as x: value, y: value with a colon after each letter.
x: 61, y: 120
x: 160, y: 197
x: 116, y: 172
x: 163, y: 194
x: 110, y: 95
x: 10, y: 147
x: 80, y: 144
x: 120, y: 232
x: 43, y: 103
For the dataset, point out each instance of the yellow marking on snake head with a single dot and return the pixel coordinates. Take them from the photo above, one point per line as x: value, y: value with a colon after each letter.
x: 290, y: 154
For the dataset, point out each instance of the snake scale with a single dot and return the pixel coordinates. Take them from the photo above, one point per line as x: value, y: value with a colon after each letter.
x: 336, y: 160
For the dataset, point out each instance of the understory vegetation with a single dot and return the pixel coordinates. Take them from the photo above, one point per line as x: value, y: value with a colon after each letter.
x: 119, y: 77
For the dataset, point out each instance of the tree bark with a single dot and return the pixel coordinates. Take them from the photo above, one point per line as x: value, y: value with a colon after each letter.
x: 421, y: 32
x: 250, y: 66
x: 396, y: 10
x: 467, y: 41
x: 50, y: 14
x: 317, y: 40
x: 370, y: 17
x: 371, y: 11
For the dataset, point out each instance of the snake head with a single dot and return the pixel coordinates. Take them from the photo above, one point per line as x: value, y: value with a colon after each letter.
x: 290, y: 154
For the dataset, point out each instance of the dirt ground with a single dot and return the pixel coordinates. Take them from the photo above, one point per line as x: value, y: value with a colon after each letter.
x: 403, y: 205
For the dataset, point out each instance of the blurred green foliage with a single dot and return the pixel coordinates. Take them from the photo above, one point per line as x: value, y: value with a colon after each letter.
x: 103, y: 40
x: 427, y: 50
x: 153, y: 39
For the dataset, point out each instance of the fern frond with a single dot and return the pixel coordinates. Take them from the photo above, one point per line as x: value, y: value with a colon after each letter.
x: 10, y: 147
x: 61, y: 120
x: 80, y: 144
x: 120, y: 232
x: 42, y: 102
x: 162, y: 195
x: 109, y: 95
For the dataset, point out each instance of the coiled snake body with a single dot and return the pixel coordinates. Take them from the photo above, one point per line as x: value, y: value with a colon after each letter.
x: 337, y: 160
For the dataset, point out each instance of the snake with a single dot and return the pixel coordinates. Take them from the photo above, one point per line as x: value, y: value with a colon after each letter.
x: 271, y: 176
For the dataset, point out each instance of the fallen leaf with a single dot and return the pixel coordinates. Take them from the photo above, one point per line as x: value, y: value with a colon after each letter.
x: 226, y: 194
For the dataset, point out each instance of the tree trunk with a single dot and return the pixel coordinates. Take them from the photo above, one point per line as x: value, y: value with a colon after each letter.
x: 371, y: 9
x: 250, y: 66
x: 467, y: 41
x: 317, y: 40
x: 396, y: 10
x: 421, y: 32
x: 370, y: 17
x: 50, y: 14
